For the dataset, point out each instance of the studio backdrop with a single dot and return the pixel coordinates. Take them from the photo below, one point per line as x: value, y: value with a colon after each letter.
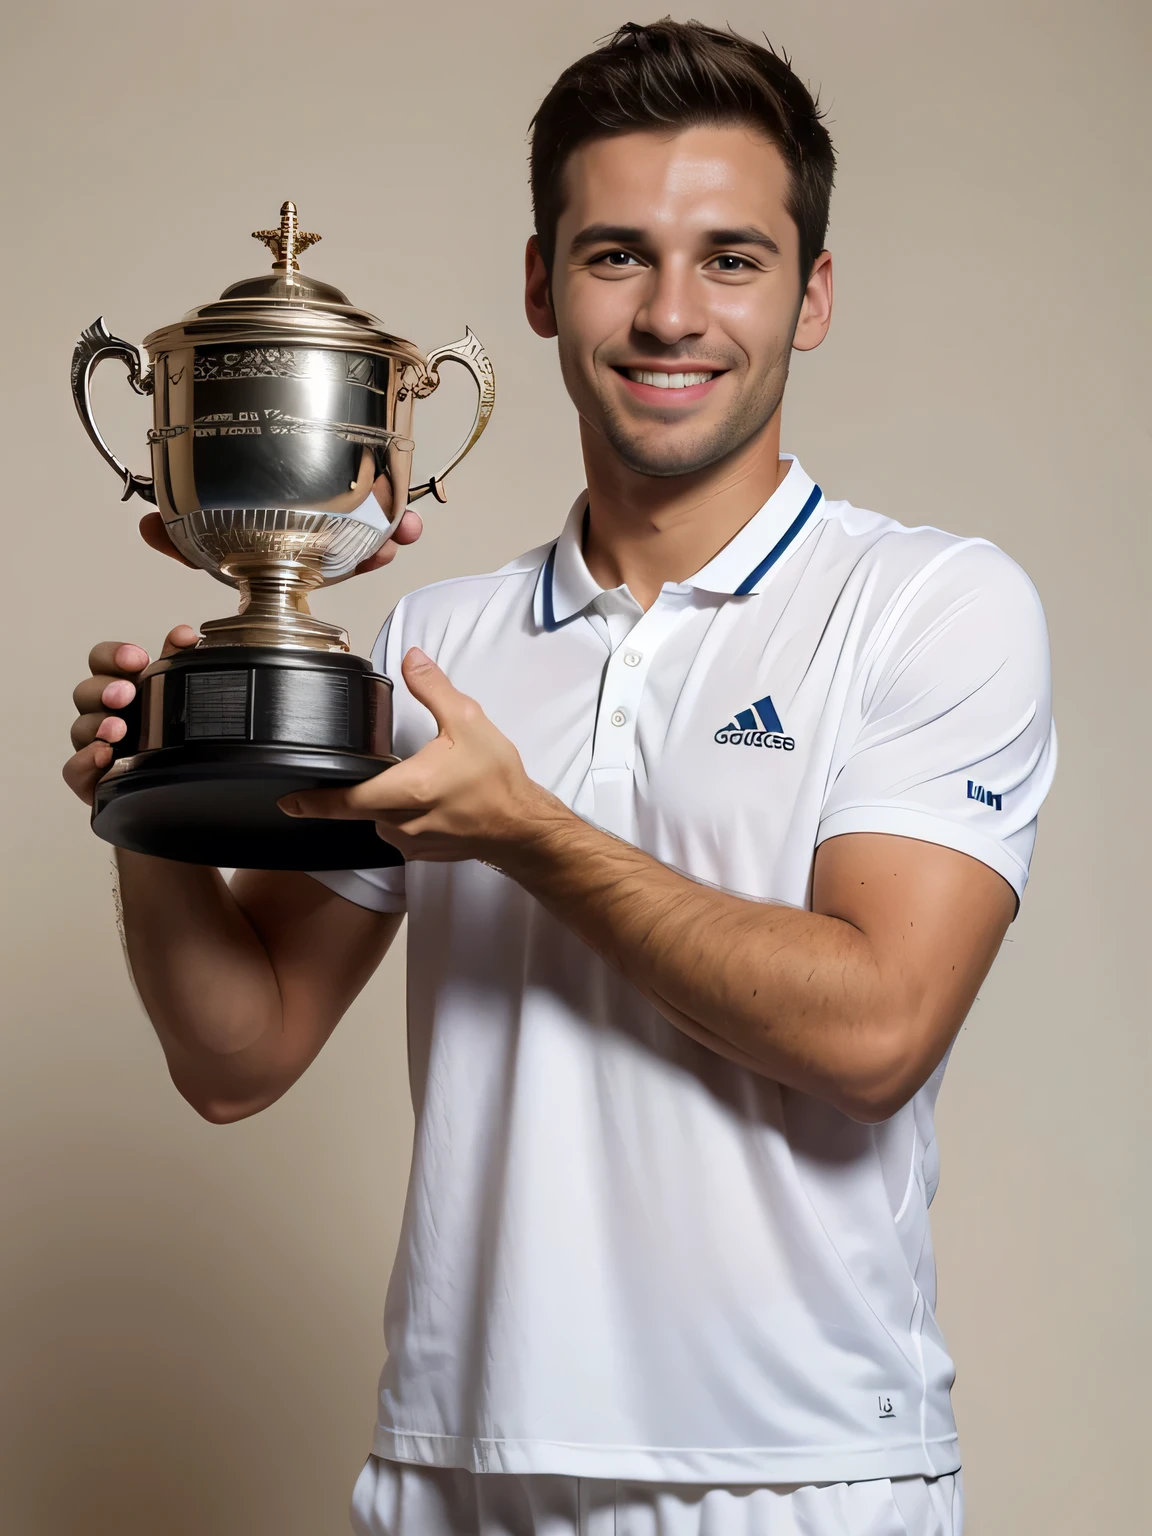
x: 192, y: 1313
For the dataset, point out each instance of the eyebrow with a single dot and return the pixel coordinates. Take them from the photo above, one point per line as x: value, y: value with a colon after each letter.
x: 627, y: 234
x: 607, y: 234
x: 748, y: 234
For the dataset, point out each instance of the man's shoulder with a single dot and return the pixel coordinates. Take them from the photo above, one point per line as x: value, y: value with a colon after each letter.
x: 902, y: 560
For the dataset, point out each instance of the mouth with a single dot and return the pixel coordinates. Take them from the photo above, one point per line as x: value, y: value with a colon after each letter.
x: 669, y: 387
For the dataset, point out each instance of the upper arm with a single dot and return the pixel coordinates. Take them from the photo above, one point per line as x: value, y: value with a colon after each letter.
x: 934, y: 920
x: 324, y: 935
x: 930, y: 817
x: 950, y: 738
x: 322, y: 949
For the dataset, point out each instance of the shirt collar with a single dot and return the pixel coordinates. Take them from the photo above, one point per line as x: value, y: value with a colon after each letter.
x: 566, y: 587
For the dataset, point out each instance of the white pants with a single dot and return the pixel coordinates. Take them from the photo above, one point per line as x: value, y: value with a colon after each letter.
x: 395, y: 1498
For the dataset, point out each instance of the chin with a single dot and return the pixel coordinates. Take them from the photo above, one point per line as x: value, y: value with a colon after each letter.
x: 663, y: 460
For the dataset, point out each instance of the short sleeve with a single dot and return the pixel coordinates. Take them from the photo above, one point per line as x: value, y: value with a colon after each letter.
x: 381, y: 890
x: 953, y: 742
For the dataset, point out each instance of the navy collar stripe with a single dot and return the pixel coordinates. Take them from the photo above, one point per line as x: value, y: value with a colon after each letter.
x: 550, y: 620
x: 770, y: 559
x: 746, y: 586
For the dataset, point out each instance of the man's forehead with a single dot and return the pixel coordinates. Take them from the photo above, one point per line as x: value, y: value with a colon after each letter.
x: 698, y: 173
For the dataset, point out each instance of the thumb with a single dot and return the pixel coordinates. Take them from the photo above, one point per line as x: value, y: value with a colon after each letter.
x: 429, y: 686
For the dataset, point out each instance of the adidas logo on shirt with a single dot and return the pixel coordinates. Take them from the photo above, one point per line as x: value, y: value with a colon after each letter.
x: 758, y: 726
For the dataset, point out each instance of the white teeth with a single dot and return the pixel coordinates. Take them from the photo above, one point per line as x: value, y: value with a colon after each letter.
x: 667, y: 380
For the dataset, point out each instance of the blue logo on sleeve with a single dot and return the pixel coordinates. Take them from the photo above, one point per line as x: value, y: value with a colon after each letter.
x: 985, y: 796
x: 758, y: 726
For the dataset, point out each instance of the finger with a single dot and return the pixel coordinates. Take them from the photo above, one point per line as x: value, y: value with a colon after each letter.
x: 155, y: 535
x: 112, y: 728
x: 400, y: 792
x: 411, y: 524
x: 355, y: 803
x: 409, y: 528
x: 383, y: 556
x: 114, y: 663
x: 407, y: 531
x: 397, y: 839
x: 97, y: 727
x: 179, y: 639
x: 117, y: 658
x: 430, y: 687
x: 83, y: 771
x: 102, y: 692
x: 325, y: 804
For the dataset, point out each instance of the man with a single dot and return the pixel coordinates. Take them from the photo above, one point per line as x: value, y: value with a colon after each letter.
x: 715, y: 809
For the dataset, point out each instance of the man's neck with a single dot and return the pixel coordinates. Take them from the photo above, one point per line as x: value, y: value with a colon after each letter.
x: 645, y: 530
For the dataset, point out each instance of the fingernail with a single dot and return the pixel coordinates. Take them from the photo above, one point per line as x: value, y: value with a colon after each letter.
x: 420, y: 658
x: 290, y: 806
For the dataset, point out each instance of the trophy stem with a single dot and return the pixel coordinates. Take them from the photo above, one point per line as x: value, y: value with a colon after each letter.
x: 274, y: 607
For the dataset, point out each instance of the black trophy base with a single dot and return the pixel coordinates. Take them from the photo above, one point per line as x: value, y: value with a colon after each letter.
x: 220, y: 733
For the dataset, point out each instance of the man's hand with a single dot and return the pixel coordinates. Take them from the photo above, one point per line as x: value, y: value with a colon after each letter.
x: 463, y: 796
x: 114, y: 666
x: 155, y: 535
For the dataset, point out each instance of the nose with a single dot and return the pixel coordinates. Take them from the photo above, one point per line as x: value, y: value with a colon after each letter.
x: 673, y: 306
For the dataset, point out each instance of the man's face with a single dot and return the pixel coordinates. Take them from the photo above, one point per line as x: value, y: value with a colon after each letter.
x: 676, y: 293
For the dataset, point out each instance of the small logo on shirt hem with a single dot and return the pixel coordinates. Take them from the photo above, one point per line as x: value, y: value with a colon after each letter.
x: 758, y: 726
x: 985, y: 796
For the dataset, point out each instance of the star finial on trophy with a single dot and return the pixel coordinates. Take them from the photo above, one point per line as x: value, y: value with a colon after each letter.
x: 288, y: 241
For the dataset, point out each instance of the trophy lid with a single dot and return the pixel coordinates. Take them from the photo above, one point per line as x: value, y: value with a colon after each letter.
x: 283, y: 307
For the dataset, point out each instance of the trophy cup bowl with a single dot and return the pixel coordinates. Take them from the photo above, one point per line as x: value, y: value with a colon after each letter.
x: 281, y: 459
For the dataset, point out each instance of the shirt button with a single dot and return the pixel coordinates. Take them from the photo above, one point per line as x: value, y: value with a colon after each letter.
x: 618, y: 717
x: 632, y: 658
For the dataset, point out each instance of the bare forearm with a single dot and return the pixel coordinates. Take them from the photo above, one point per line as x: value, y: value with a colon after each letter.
x: 791, y: 994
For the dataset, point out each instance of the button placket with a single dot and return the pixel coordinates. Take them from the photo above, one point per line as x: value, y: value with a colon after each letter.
x: 612, y: 769
x: 625, y: 676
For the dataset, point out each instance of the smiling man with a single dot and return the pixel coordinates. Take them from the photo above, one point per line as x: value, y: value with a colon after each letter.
x: 716, y: 809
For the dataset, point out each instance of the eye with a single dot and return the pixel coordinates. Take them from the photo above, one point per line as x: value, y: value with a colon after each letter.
x: 730, y: 263
x: 616, y: 259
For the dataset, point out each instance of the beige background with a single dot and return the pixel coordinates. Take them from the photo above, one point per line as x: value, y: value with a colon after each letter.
x: 192, y: 1313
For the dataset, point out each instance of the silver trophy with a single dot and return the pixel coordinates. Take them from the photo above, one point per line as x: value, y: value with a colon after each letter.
x: 281, y: 459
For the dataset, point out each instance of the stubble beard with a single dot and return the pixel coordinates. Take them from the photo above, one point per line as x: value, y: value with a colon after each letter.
x: 659, y: 455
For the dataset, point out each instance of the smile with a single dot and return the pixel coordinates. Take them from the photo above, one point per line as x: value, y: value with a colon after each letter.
x: 667, y: 390
x: 667, y: 380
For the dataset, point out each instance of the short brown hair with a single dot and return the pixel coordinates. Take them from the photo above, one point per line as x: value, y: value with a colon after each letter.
x: 680, y: 74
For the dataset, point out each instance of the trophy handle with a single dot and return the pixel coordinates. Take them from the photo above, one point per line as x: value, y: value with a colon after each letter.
x: 471, y: 355
x: 95, y: 344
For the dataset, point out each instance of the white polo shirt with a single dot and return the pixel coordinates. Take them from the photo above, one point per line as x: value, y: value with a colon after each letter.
x: 623, y: 1256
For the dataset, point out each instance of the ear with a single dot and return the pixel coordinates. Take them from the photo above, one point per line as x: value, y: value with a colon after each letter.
x: 816, y: 306
x: 538, y: 292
